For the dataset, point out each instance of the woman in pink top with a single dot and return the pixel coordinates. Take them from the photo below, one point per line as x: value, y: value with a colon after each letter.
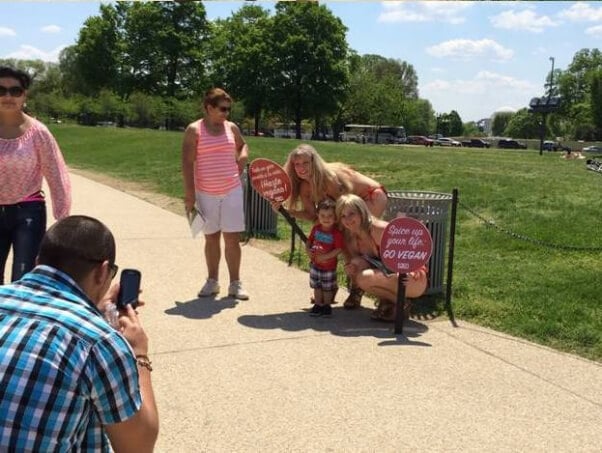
x: 214, y: 154
x: 28, y: 153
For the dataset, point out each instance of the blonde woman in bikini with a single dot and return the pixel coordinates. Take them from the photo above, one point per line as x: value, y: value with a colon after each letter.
x: 312, y: 180
x: 363, y: 233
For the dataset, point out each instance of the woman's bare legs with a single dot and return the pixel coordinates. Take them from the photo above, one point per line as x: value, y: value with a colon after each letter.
x: 353, y: 269
x: 385, y: 287
x: 213, y: 254
x: 232, y: 253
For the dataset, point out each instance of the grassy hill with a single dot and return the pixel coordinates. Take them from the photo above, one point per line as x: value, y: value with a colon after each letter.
x: 535, y: 274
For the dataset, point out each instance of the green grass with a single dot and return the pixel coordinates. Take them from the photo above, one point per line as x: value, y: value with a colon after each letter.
x: 542, y: 293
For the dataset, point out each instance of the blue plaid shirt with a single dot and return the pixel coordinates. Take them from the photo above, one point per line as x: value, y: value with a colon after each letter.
x: 64, y: 371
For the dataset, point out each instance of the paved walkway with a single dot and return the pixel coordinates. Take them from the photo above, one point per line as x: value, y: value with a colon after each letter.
x: 261, y: 375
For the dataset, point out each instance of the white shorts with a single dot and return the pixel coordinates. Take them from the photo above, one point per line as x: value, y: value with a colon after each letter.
x: 222, y: 212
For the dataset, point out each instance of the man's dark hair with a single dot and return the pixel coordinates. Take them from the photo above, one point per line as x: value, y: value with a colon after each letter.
x: 23, y: 78
x: 76, y: 245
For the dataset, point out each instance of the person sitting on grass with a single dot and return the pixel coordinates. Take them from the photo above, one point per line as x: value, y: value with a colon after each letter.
x: 363, y: 233
x: 324, y: 244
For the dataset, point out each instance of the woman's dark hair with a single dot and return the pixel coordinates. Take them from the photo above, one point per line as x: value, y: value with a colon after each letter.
x: 77, y: 244
x: 23, y: 78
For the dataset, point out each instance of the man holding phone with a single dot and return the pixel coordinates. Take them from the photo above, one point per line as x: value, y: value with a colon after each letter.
x: 68, y: 380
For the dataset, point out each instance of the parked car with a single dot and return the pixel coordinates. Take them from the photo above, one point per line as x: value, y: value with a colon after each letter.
x: 476, y: 143
x: 444, y: 141
x: 509, y: 143
x: 592, y: 149
x: 550, y: 145
x: 419, y: 140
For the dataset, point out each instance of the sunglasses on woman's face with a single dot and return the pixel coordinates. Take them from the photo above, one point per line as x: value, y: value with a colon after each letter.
x: 224, y: 108
x: 14, y: 92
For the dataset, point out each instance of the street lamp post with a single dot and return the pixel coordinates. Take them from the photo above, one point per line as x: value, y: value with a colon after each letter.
x: 544, y: 105
x: 550, y: 91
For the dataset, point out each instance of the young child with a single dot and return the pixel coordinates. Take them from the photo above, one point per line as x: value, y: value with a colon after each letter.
x: 324, y: 244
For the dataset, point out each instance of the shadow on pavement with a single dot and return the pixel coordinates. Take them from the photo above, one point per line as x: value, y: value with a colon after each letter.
x: 344, y: 323
x: 203, y: 308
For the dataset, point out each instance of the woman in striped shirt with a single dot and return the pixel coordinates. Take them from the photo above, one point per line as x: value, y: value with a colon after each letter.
x: 214, y: 155
x: 28, y: 153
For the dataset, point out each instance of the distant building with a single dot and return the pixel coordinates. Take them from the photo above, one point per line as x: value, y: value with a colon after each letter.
x: 484, y: 125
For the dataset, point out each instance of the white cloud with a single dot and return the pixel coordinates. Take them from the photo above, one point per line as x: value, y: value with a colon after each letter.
x: 432, y: 11
x: 524, y: 20
x: 582, y: 12
x: 595, y: 31
x: 540, y: 50
x: 501, y: 81
x: 466, y: 49
x: 26, y: 52
x: 51, y: 29
x: 5, y: 31
x: 480, y: 96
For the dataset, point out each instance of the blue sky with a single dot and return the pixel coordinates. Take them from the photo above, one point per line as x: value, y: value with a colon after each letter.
x: 474, y: 57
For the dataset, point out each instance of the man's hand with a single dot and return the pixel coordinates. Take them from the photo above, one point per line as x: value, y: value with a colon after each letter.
x: 132, y: 330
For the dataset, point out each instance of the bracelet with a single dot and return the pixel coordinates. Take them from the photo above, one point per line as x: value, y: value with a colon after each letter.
x: 143, y: 361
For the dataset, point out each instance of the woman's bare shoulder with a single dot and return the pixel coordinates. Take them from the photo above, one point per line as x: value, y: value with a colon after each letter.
x: 194, y: 126
x: 378, y: 228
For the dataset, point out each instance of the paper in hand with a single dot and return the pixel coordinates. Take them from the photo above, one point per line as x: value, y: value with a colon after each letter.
x: 196, y: 222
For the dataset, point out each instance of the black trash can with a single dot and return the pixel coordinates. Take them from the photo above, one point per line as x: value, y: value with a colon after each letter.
x: 431, y: 208
x: 260, y: 218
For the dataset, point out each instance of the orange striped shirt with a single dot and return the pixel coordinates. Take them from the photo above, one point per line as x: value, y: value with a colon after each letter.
x: 215, y: 170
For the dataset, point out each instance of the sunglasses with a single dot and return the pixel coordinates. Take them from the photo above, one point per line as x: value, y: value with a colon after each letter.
x: 114, y: 268
x: 224, y: 109
x: 14, y: 92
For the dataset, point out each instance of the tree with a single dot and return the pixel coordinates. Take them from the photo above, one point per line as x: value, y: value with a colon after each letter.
x: 500, y: 121
x: 166, y: 60
x: 309, y: 73
x: 94, y: 61
x: 574, y: 83
x: 471, y: 129
x: 124, y: 50
x: 575, y: 86
x: 454, y: 122
x: 419, y: 117
x: 35, y: 68
x: 110, y: 106
x: 378, y: 91
x: 241, y: 58
x: 596, y: 101
x: 145, y: 110
x: 583, y: 127
x: 524, y: 124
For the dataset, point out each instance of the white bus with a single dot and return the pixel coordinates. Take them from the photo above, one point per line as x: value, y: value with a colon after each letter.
x: 368, y: 133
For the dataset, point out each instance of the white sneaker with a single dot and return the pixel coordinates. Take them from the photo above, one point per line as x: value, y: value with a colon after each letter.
x: 236, y: 290
x: 210, y: 288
